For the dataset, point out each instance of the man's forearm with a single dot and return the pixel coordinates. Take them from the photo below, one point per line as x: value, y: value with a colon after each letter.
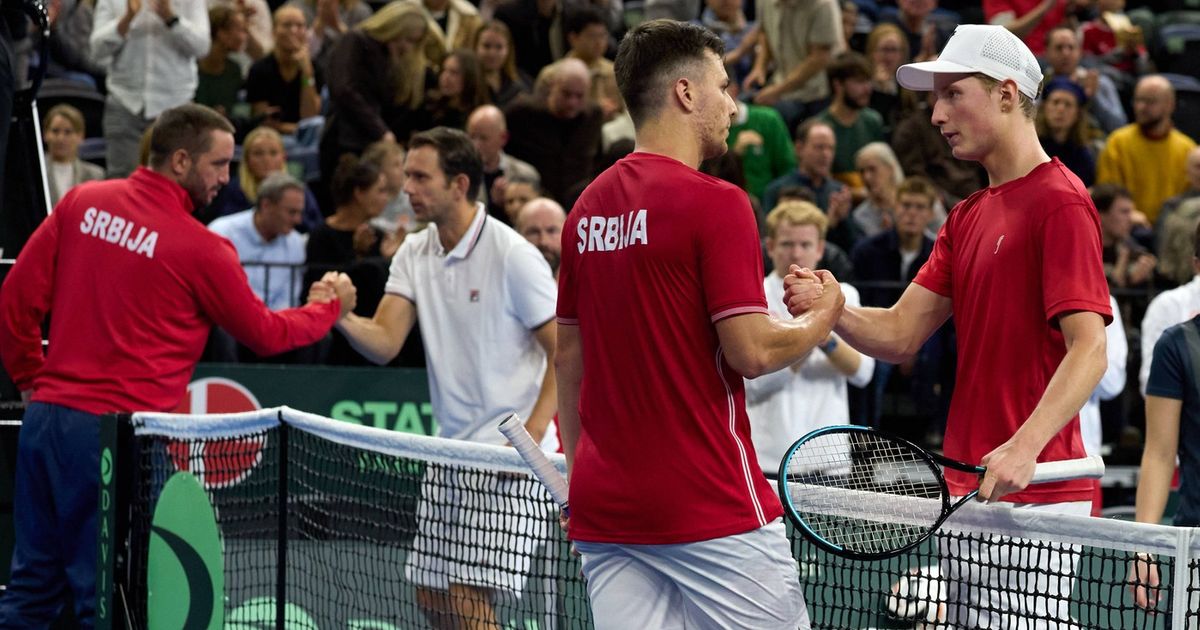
x: 1070, y: 387
x: 568, y: 368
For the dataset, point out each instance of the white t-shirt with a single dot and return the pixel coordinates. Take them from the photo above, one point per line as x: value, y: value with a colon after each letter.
x: 1111, y: 383
x: 478, y: 305
x: 786, y: 404
x: 1167, y: 309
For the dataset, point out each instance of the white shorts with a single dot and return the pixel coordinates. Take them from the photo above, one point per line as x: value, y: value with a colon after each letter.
x: 744, y: 581
x: 477, y: 528
x: 1007, y: 583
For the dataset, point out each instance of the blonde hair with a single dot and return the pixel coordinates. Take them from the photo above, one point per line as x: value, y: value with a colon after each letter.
x: 879, y: 33
x: 392, y: 21
x: 797, y: 213
x: 245, y: 177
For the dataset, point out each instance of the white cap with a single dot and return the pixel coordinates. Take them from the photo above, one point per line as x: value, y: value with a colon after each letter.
x: 990, y: 49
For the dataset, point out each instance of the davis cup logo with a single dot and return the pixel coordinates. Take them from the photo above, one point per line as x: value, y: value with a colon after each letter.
x: 223, y: 463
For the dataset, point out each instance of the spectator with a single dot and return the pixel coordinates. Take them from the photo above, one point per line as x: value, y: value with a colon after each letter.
x: 488, y: 131
x: 881, y: 173
x: 149, y: 51
x: 1111, y: 385
x: 498, y: 60
x: 726, y: 18
x: 924, y: 32
x: 519, y: 191
x: 265, y: 236
x: 1170, y: 205
x: 1169, y: 308
x: 923, y: 151
x: 257, y: 14
x: 886, y: 52
x: 71, y: 24
x: 64, y: 131
x: 1126, y: 263
x: 1149, y: 156
x: 812, y: 392
x: 587, y: 38
x: 854, y: 124
x: 836, y: 260
x: 282, y: 87
x: 377, y: 82
x: 397, y: 217
x: 330, y: 20
x: 1063, y: 55
x: 1030, y: 20
x: 815, y: 146
x: 560, y: 130
x: 541, y: 221
x: 1063, y: 128
x: 455, y: 24
x: 219, y: 75
x: 347, y: 242
x: 760, y: 138
x: 798, y: 40
x: 537, y: 28
x: 460, y: 89
x: 1112, y: 39
x: 262, y: 155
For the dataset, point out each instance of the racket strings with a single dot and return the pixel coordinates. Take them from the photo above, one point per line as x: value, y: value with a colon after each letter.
x: 863, y: 492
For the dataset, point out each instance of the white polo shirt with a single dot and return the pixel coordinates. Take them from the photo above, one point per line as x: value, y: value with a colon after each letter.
x: 478, y: 306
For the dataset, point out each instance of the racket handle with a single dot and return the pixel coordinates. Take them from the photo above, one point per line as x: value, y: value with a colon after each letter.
x: 1091, y: 467
x: 513, y: 428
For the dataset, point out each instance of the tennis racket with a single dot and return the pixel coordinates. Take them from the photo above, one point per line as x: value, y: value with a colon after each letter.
x: 513, y: 428
x: 863, y: 494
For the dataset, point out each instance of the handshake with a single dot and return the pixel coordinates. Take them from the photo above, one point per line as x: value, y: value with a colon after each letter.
x: 806, y: 290
x: 334, y: 285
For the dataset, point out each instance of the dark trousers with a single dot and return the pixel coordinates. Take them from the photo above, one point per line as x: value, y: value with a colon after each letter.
x: 55, y: 512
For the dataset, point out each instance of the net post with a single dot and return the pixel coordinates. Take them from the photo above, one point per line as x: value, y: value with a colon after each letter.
x: 281, y: 548
x: 115, y: 485
x: 1180, y: 580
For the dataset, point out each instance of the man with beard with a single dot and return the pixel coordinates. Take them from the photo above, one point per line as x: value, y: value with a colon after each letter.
x: 540, y: 222
x: 854, y: 124
x: 134, y: 283
x: 1148, y: 156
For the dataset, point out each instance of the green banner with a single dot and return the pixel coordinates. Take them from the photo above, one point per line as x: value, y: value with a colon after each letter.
x: 396, y: 399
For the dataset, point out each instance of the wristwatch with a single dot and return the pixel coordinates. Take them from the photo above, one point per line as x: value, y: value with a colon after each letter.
x: 172, y: 22
x: 829, y: 346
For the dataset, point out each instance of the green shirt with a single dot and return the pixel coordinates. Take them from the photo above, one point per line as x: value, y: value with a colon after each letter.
x: 867, y: 129
x: 774, y: 158
x: 221, y: 89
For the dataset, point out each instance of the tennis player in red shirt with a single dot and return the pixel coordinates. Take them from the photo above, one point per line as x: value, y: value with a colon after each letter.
x: 1018, y: 266
x: 661, y: 313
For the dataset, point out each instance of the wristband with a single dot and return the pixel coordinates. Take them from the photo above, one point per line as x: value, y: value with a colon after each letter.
x: 307, y: 82
x: 829, y: 346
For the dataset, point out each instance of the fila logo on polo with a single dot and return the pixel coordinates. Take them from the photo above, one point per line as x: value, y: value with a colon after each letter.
x: 600, y: 234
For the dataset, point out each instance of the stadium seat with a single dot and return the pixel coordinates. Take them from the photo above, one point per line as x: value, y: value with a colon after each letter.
x: 1187, y: 104
x: 83, y: 97
x: 1179, y: 45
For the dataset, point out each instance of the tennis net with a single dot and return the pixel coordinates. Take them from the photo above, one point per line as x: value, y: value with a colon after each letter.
x: 287, y: 519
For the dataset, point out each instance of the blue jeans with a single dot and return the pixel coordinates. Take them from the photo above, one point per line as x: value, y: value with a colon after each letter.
x: 55, y: 511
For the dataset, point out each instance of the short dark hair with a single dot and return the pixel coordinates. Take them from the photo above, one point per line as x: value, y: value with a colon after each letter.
x: 188, y: 127
x: 803, y: 129
x: 457, y: 155
x: 848, y: 65
x: 1104, y: 195
x: 654, y: 49
x: 352, y: 173
x: 581, y: 17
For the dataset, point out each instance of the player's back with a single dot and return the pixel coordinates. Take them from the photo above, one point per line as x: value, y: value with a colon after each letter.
x: 653, y: 254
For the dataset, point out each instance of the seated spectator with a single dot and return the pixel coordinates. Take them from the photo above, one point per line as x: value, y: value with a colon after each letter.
x: 726, y: 19
x: 1192, y: 166
x: 886, y: 52
x: 560, y: 130
x: 63, y: 131
x: 541, y: 221
x: 926, y: 32
x: 923, y: 151
x: 282, y: 87
x: 518, y: 191
x: 220, y: 76
x: 455, y: 25
x: 881, y: 174
x: 587, y: 37
x: 1063, y: 54
x: 265, y: 235
x: 488, y: 130
x: 760, y: 138
x: 262, y: 155
x: 330, y: 20
x: 1063, y: 128
x: 67, y: 48
x: 1126, y: 263
x: 1112, y: 39
x: 257, y: 13
x: 815, y: 146
x: 348, y: 242
x: 398, y: 216
x: 498, y: 61
x: 813, y: 392
x: 460, y: 89
x: 854, y: 123
x: 377, y: 79
x: 836, y: 260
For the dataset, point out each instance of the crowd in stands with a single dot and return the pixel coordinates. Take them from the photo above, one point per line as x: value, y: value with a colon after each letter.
x: 325, y: 93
